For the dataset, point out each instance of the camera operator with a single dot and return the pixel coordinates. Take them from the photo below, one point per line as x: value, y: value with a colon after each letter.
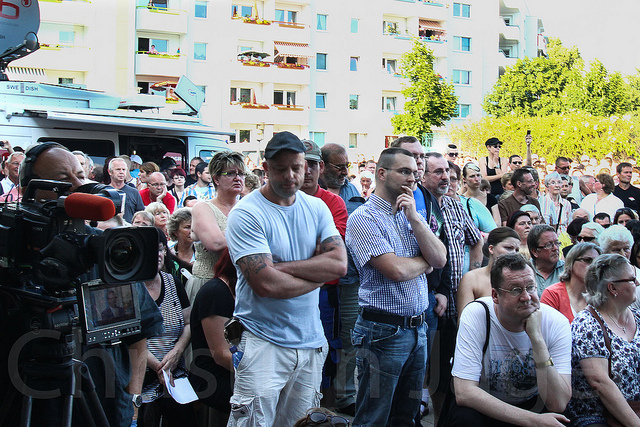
x: 117, y: 370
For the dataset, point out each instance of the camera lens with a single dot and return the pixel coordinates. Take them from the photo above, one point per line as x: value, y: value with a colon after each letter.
x: 123, y: 254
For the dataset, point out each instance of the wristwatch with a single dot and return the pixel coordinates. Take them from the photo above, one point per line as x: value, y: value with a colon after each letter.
x: 545, y: 364
x: 137, y: 400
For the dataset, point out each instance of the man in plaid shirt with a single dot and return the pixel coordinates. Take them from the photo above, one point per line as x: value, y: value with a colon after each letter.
x: 460, y: 231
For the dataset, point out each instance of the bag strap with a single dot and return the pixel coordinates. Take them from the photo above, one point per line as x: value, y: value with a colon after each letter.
x: 607, y: 340
x: 488, y: 320
x: 559, y: 216
x: 469, y: 208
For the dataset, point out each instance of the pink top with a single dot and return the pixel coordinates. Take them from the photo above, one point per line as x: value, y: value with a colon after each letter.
x: 557, y: 297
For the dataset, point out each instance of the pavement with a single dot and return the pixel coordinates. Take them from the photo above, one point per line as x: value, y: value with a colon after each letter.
x: 426, y: 421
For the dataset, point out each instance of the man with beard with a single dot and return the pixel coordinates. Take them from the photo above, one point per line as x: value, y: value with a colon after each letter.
x: 524, y: 187
x: 393, y: 249
x: 544, y: 248
x: 286, y: 247
x: 513, y: 356
x: 334, y: 176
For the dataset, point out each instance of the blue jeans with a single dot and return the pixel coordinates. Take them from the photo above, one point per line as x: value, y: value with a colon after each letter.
x: 431, y: 319
x: 391, y: 363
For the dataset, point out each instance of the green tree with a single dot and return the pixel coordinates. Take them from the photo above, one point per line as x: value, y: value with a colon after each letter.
x: 429, y: 100
x: 538, y: 86
x: 604, y: 94
x: 633, y: 87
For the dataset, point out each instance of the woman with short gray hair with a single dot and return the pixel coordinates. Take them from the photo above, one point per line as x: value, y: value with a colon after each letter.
x: 555, y: 210
x: 616, y: 240
x: 567, y: 296
x: 605, y: 346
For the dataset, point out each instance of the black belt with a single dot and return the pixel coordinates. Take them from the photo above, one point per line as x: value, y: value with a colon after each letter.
x: 393, y: 319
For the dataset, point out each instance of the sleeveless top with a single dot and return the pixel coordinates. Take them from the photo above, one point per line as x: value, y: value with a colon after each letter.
x: 496, y: 186
x: 206, y: 260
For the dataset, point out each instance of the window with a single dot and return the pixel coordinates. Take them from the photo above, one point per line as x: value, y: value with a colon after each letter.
x: 462, y: 77
x: 354, y: 25
x: 390, y: 65
x: 321, y: 61
x: 67, y: 37
x: 353, y: 140
x: 321, y: 100
x: 462, y: 10
x: 241, y: 11
x: 318, y: 137
x: 200, y: 51
x: 245, y: 94
x: 353, y: 63
x: 161, y: 45
x: 389, y: 103
x: 462, y: 43
x: 65, y: 80
x: 279, y: 97
x: 353, y: 102
x: 244, y: 135
x: 463, y: 110
x: 506, y: 51
x: 390, y: 27
x: 286, y: 16
x: 201, y: 9
x: 322, y: 22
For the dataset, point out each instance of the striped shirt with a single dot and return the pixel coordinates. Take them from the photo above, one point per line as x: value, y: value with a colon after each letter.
x: 461, y: 231
x: 372, y: 230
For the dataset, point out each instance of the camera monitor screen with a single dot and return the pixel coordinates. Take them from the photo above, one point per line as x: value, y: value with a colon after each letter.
x: 110, y: 311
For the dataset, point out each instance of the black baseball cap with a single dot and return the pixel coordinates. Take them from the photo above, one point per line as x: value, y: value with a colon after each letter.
x: 492, y: 141
x: 283, y: 141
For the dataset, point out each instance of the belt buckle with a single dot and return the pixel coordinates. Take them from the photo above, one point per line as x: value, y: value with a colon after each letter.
x: 416, y: 320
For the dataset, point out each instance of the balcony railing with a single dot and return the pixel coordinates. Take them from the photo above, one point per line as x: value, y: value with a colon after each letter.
x: 159, y: 54
x: 290, y: 24
x: 290, y: 107
x: 267, y: 64
x: 250, y: 20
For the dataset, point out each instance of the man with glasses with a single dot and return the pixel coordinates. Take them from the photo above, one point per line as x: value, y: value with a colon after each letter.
x: 460, y: 231
x: 157, y: 192
x: 590, y: 232
x: 603, y: 219
x: 626, y: 192
x: 452, y: 153
x: 524, y: 187
x: 393, y: 249
x: 501, y: 375
x: 544, y: 248
x: 515, y: 162
x: 11, y: 168
x: 334, y: 176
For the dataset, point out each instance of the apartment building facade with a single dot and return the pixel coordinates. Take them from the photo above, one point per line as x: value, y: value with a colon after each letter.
x: 325, y: 70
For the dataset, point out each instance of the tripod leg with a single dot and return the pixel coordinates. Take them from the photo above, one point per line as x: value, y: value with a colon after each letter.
x: 89, y: 390
x: 27, y: 403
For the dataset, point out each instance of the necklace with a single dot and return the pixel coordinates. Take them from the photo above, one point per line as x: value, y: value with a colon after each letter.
x: 624, y: 329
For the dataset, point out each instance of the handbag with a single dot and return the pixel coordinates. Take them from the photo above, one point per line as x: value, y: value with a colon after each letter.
x: 634, y: 404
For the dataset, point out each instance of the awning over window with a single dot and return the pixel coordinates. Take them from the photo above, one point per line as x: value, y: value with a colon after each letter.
x: 430, y: 25
x: 296, y: 50
x: 27, y: 74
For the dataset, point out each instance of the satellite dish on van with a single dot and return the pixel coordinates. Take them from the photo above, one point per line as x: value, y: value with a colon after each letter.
x: 19, y: 24
x: 191, y: 94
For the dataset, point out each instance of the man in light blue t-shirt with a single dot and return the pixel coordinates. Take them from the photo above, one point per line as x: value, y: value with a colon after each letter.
x: 285, y: 246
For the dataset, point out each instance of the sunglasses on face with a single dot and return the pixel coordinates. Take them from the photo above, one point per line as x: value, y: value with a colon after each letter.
x: 585, y: 239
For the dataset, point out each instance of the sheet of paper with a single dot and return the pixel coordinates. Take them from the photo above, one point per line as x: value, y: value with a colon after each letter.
x: 182, y: 392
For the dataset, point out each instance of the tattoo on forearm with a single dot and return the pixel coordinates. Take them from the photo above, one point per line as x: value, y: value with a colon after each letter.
x: 331, y: 243
x: 251, y: 265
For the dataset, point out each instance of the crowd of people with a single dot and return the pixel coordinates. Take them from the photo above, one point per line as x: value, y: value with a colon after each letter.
x: 496, y: 291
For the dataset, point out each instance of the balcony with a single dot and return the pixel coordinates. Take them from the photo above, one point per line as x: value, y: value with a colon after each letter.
x: 66, y: 12
x: 161, y: 64
x: 509, y: 32
x: 270, y: 71
x: 297, y: 115
x: 156, y: 19
x: 439, y: 47
x: 60, y: 57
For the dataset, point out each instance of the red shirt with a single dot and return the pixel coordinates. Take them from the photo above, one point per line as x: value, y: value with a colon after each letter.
x: 557, y: 297
x: 338, y: 211
x: 168, y: 200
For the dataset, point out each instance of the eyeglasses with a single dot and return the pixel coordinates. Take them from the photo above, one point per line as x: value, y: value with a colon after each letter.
x: 336, y: 420
x: 438, y: 172
x: 517, y: 163
x: 585, y: 239
x: 420, y: 156
x: 550, y: 245
x: 340, y: 167
x: 161, y: 184
x: 632, y: 280
x: 516, y: 292
x: 452, y: 154
x: 586, y: 260
x: 232, y: 174
x: 405, y: 172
